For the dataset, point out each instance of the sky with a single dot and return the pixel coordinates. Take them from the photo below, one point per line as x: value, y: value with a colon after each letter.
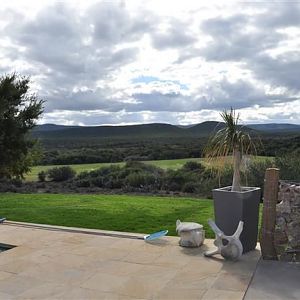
x: 179, y: 62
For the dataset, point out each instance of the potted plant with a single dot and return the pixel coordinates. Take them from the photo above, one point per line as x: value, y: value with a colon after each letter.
x: 235, y: 203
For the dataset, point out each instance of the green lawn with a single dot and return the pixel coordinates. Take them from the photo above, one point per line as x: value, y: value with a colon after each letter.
x: 165, y: 164
x: 142, y: 214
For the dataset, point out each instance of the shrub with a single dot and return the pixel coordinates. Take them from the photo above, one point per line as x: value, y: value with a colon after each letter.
x: 140, y: 180
x: 136, y: 158
x: 139, y: 166
x: 42, y: 176
x: 17, y: 182
x: 289, y: 166
x: 61, y: 173
x: 113, y: 183
x: 83, y: 183
x: 191, y: 187
x: 255, y: 173
x: 212, y: 179
x: 193, y: 166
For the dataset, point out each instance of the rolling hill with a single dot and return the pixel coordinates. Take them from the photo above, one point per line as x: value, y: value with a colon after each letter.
x: 130, y: 131
x: 154, y: 130
x: 276, y: 127
x: 52, y: 127
x: 106, y: 144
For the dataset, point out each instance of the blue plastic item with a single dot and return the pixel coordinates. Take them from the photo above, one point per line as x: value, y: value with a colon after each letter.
x: 155, y: 235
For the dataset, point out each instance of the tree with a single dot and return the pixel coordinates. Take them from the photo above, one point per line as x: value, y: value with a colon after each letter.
x: 231, y: 140
x: 19, y: 111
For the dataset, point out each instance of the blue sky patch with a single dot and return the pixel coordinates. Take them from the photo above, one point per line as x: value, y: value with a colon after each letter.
x: 148, y: 79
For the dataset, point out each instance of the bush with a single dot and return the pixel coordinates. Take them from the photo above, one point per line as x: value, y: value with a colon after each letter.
x: 191, y: 187
x: 255, y: 173
x: 193, y: 166
x: 61, y: 173
x: 42, y: 176
x: 212, y: 179
x: 17, y: 182
x: 83, y: 183
x: 140, y: 180
x: 136, y: 158
x: 289, y: 166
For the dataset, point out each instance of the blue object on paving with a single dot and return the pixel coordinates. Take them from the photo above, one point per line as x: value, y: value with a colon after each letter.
x: 156, y: 235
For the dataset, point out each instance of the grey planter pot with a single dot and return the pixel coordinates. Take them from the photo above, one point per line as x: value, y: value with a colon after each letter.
x: 232, y: 207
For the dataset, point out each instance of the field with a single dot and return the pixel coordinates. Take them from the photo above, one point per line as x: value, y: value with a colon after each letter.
x: 143, y: 214
x: 165, y: 164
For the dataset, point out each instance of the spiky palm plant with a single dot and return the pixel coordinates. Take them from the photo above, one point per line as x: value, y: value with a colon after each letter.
x: 230, y: 140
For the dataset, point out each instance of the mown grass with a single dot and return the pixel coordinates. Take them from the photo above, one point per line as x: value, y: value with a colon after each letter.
x: 164, y: 164
x: 143, y: 214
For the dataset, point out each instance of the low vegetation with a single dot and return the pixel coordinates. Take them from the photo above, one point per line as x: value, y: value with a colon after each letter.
x: 58, y: 174
x: 196, y: 178
x: 173, y: 164
x: 136, y: 177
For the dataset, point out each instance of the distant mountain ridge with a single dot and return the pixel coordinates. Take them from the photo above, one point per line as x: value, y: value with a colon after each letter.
x: 276, y: 127
x: 53, y: 127
x: 153, y: 130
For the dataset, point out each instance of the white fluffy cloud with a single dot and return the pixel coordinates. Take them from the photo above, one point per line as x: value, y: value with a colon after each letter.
x: 125, y: 62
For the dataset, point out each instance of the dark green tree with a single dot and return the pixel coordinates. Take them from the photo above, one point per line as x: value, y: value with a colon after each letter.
x: 19, y: 111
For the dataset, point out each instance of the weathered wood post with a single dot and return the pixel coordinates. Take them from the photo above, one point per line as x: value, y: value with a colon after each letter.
x: 269, y: 214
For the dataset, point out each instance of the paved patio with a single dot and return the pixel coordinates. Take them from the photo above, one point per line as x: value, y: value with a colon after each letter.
x: 275, y: 280
x: 59, y: 263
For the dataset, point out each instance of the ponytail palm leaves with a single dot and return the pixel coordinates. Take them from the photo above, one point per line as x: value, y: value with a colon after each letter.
x: 230, y: 140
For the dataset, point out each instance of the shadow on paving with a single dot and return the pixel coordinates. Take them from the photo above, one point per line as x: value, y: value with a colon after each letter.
x: 275, y: 280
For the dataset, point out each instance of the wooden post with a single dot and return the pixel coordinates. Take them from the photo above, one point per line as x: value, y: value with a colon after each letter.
x: 269, y: 214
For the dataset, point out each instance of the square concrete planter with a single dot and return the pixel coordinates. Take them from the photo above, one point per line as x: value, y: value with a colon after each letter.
x: 232, y: 207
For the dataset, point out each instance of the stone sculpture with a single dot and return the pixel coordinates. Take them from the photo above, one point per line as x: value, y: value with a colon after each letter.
x: 191, y: 234
x: 230, y: 247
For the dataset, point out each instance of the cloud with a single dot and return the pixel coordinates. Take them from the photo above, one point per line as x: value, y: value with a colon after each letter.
x: 175, y: 34
x: 112, y: 23
x: 279, y: 15
x: 123, y: 62
x: 261, y: 43
x: 233, y: 41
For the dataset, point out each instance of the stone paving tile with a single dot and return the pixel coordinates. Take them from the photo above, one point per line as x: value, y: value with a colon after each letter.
x: 101, y: 241
x: 118, y: 268
x: 18, y: 284
x: 14, y: 253
x: 161, y: 249
x: 104, y: 282
x: 44, y: 291
x: 176, y: 293
x: 110, y: 254
x: 166, y: 260
x: 77, y: 239
x: 212, y: 294
x: 16, y: 266
x: 5, y: 296
x: 192, y: 281
x: 141, y: 257
x: 63, y: 265
x: 127, y: 244
x: 202, y: 266
x: 145, y: 282
x: 5, y: 275
x: 78, y: 293
x: 231, y: 282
